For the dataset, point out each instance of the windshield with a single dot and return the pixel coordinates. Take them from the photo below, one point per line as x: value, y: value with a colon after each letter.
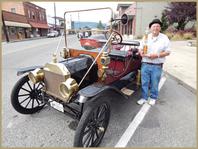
x: 84, y: 30
x: 98, y: 36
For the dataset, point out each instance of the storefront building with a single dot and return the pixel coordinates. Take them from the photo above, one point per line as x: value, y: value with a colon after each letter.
x: 16, y: 26
x: 23, y: 20
x: 36, y: 17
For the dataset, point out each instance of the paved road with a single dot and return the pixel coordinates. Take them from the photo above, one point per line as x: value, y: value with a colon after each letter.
x: 171, y: 123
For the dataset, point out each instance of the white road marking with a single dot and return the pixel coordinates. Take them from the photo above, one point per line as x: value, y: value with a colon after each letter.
x: 136, y: 121
x: 161, y: 83
x: 10, y: 124
x: 133, y: 126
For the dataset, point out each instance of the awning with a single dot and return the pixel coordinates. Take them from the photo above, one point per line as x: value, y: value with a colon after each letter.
x: 39, y: 25
x: 17, y: 24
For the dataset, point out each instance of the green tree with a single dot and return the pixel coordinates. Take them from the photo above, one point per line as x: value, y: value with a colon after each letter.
x: 164, y: 21
x: 100, y: 26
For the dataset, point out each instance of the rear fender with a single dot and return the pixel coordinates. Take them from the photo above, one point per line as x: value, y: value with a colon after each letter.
x: 21, y: 71
x: 93, y: 92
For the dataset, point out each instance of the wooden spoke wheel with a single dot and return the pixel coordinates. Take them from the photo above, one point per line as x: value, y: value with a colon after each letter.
x: 25, y: 96
x: 92, y: 125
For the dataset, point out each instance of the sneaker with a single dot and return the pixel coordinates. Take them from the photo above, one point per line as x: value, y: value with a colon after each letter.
x: 152, y: 101
x: 141, y: 101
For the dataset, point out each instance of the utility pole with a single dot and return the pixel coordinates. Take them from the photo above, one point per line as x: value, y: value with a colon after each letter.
x: 78, y: 21
x: 55, y: 14
x: 71, y: 24
x: 4, y: 28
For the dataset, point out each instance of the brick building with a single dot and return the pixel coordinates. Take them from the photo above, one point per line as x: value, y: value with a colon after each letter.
x: 129, y: 9
x: 15, y: 23
x: 140, y: 14
x: 36, y: 17
x: 23, y: 20
x: 16, y: 26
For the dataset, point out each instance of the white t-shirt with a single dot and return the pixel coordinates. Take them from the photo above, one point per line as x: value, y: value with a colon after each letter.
x: 156, y: 45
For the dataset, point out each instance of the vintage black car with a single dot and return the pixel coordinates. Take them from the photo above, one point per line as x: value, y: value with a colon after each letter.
x: 79, y: 84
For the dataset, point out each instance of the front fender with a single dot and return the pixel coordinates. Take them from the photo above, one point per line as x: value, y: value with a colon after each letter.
x: 96, y: 91
x: 21, y: 71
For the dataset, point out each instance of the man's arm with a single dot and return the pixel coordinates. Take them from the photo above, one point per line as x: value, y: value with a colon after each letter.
x: 160, y: 55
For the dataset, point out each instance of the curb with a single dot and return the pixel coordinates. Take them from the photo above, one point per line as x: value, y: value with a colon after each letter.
x: 190, y: 88
x: 27, y: 39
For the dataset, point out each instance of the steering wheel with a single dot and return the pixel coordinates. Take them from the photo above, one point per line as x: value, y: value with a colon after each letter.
x: 116, y: 37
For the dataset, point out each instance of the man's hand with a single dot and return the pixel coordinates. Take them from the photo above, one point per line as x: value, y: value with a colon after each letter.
x: 152, y: 56
x: 140, y: 52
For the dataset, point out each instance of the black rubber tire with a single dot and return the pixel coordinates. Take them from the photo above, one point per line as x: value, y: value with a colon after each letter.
x: 31, y: 92
x: 86, y: 121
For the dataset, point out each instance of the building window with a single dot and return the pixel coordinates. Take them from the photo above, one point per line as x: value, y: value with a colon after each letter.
x: 20, y: 29
x: 122, y: 30
x: 29, y: 15
x: 13, y: 10
x: 40, y: 16
x: 43, y: 16
x: 33, y: 15
x: 131, y: 27
x: 126, y: 29
x: 12, y: 30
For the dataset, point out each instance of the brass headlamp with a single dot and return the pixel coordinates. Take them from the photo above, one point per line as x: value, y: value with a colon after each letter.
x: 68, y: 87
x: 36, y: 75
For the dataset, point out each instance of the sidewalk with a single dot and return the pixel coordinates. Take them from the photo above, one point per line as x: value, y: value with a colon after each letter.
x: 25, y: 39
x: 182, y: 64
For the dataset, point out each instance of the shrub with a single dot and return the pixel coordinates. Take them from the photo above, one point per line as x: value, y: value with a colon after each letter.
x: 171, y: 29
x: 181, y: 32
x: 191, y: 30
x: 139, y: 37
x: 188, y: 35
x: 169, y: 34
x: 177, y: 36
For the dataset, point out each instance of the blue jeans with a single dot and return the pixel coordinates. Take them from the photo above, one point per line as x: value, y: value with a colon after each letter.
x: 150, y: 77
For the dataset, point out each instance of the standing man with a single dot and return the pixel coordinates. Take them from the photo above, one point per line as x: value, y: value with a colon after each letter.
x: 158, y: 47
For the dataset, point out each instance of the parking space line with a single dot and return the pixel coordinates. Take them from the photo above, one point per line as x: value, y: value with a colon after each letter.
x: 161, y: 83
x: 10, y: 124
x: 136, y: 121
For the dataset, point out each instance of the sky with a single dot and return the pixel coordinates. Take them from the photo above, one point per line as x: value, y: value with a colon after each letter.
x: 61, y: 7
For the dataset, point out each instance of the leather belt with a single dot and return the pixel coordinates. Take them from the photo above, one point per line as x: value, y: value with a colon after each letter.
x: 160, y: 64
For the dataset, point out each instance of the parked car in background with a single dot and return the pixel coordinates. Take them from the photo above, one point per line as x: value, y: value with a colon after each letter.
x: 53, y: 34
